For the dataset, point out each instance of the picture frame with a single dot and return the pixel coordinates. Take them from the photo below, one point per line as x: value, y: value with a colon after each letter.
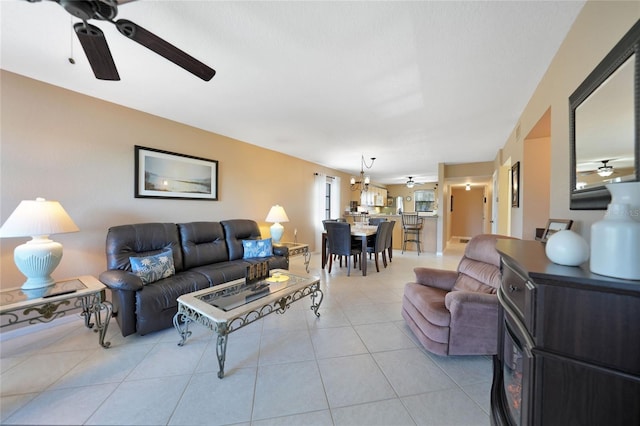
x: 515, y: 185
x: 169, y: 175
x: 555, y: 225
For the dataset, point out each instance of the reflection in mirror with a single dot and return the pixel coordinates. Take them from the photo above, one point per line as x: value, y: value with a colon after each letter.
x: 604, y: 115
x: 605, y: 131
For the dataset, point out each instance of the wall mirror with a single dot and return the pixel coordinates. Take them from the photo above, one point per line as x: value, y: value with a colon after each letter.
x: 604, y: 115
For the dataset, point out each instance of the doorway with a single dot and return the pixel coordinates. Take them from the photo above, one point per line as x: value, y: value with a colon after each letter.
x: 467, y: 212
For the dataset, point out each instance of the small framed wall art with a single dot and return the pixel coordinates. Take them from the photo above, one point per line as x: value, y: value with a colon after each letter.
x: 555, y: 225
x: 164, y: 174
x: 515, y: 185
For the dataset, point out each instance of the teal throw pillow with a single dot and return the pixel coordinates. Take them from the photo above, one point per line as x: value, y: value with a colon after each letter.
x: 153, y: 268
x: 257, y: 248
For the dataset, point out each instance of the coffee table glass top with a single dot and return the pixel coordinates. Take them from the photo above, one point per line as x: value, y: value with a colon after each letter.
x: 16, y: 295
x: 238, y: 294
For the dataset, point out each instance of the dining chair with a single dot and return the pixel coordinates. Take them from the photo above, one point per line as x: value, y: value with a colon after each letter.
x: 389, y: 241
x: 412, y: 228
x: 339, y: 243
x: 380, y: 243
x: 375, y: 221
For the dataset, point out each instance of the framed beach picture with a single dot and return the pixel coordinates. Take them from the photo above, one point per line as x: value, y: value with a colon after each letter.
x: 164, y: 174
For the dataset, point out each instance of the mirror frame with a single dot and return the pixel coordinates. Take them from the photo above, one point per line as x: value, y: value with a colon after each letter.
x: 597, y: 198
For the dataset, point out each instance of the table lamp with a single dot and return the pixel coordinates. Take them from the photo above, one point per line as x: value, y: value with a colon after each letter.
x: 40, y: 256
x: 275, y: 216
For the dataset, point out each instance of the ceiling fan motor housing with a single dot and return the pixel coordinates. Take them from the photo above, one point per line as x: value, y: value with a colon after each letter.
x: 90, y: 9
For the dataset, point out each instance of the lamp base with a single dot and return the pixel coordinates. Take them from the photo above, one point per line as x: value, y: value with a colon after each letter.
x: 277, y: 231
x: 37, y: 259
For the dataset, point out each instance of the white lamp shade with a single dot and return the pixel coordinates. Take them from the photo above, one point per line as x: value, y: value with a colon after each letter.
x: 277, y: 214
x: 37, y: 217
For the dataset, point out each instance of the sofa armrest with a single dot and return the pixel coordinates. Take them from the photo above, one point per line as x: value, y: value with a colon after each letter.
x: 281, y: 251
x: 438, y: 278
x: 471, y: 306
x: 117, y: 279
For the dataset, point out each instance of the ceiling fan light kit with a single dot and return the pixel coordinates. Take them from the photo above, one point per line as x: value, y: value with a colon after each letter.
x: 410, y: 183
x: 97, y: 50
x: 605, y: 170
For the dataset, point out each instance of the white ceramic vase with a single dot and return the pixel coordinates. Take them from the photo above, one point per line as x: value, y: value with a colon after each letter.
x: 615, y: 240
x: 567, y: 248
x: 626, y: 193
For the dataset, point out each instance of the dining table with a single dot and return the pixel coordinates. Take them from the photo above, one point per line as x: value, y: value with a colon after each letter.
x: 360, y: 232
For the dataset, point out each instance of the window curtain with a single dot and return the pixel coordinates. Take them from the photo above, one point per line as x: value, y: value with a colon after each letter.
x: 335, y: 199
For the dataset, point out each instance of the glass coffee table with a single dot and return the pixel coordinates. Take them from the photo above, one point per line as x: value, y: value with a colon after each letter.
x: 83, y: 293
x: 228, y: 307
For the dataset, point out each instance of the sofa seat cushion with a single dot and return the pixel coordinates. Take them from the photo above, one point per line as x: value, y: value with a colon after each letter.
x: 219, y: 273
x: 163, y: 294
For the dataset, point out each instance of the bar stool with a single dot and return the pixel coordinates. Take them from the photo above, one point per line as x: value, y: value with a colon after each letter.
x: 412, y: 228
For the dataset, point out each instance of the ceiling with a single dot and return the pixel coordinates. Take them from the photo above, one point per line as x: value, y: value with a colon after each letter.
x: 411, y: 83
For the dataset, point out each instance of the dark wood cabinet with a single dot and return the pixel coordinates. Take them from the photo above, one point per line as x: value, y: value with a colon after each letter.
x: 569, y: 343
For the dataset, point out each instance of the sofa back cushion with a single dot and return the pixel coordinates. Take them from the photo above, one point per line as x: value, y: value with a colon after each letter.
x: 477, y: 276
x: 235, y: 231
x: 203, y: 243
x: 479, y: 269
x: 139, y: 240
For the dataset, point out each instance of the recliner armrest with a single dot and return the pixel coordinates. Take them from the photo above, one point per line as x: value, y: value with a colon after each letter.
x: 438, y: 278
x: 117, y: 279
x: 470, y: 304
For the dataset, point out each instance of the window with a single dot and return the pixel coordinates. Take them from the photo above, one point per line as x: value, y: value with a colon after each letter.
x: 425, y: 200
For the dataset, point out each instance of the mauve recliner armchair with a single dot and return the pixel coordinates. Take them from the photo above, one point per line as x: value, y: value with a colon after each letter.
x: 456, y: 313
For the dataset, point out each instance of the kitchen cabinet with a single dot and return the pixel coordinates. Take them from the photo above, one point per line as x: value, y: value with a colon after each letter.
x: 374, y: 197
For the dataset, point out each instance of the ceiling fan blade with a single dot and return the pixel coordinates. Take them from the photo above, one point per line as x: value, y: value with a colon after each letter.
x: 95, y: 47
x: 164, y: 49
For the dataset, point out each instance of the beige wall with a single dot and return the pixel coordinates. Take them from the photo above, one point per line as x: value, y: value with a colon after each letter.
x: 80, y: 151
x: 599, y: 26
x: 480, y: 169
x: 536, y: 173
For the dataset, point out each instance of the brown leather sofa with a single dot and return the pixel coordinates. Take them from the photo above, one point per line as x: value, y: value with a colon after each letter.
x: 456, y: 312
x: 205, y: 254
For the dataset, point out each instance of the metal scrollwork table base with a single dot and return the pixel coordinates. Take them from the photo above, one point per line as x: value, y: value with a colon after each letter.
x: 229, y: 307
x: 84, y: 293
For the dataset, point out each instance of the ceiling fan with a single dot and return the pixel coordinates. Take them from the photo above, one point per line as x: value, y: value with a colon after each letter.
x: 95, y: 44
x: 604, y: 171
x: 411, y: 183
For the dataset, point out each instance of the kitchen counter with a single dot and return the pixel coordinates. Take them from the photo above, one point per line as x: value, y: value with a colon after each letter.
x: 428, y: 236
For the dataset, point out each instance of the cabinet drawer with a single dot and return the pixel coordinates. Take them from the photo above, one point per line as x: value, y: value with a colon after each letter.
x: 519, y: 292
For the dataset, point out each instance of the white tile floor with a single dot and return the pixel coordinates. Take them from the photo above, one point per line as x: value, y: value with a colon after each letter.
x: 358, y: 364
